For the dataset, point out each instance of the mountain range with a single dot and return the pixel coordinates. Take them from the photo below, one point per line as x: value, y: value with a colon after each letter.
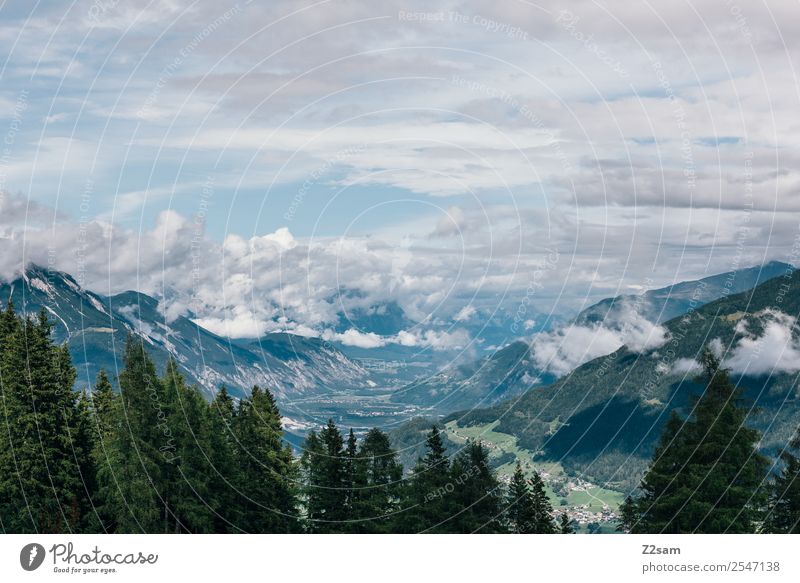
x: 314, y: 379
x: 603, y: 419
x: 512, y: 370
x: 95, y: 328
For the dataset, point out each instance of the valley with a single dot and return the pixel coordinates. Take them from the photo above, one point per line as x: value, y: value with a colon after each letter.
x: 593, y: 508
x: 359, y: 409
x: 588, y: 433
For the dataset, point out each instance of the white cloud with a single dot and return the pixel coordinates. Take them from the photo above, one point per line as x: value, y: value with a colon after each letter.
x: 465, y: 313
x: 276, y: 281
x: 437, y: 340
x: 716, y: 348
x: 773, y: 350
x: 686, y: 366
x: 776, y: 350
x: 240, y: 324
x: 641, y: 335
x: 356, y: 338
x: 406, y: 338
x: 564, y: 349
x: 172, y: 310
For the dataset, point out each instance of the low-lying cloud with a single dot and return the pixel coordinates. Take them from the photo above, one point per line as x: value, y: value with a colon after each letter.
x: 245, y: 288
x: 436, y: 340
x: 775, y: 350
x: 565, y: 349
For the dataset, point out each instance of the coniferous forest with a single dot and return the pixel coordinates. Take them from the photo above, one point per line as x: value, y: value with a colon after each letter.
x: 156, y: 457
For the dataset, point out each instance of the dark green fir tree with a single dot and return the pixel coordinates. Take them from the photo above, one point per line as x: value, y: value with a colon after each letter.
x: 224, y: 467
x: 379, y: 475
x: 186, y: 445
x: 267, y: 474
x: 133, y: 482
x: 325, y: 468
x: 783, y: 510
x: 42, y: 489
x: 427, y: 498
x: 354, y: 483
x: 529, y: 509
x: 107, y: 425
x: 476, y: 493
x: 707, y: 474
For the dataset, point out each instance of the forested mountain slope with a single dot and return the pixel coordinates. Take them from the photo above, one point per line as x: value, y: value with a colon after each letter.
x: 604, y: 417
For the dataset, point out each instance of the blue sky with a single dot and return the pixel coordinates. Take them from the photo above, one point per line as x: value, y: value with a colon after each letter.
x: 426, y: 152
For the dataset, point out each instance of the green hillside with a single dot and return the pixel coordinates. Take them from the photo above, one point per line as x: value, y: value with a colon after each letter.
x: 602, y: 419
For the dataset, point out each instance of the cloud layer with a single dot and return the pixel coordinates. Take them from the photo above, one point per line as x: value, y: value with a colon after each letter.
x: 766, y: 343
x: 775, y: 350
x: 564, y: 349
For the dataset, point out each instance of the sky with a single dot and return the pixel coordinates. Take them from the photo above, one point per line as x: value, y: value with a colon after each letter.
x: 255, y: 163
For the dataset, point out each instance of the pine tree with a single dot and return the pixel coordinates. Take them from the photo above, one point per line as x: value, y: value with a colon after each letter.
x: 706, y: 473
x: 529, y: 509
x: 326, y: 486
x: 354, y: 483
x: 661, y: 483
x: 104, y: 405
x: 41, y: 488
x: 378, y: 475
x: 542, y: 509
x: 187, y: 479
x: 9, y: 322
x: 519, y: 500
x: 565, y: 524
x: 427, y: 499
x: 83, y: 437
x: 783, y: 510
x: 224, y: 471
x: 267, y: 472
x: 107, y: 426
x: 476, y: 492
x: 132, y: 486
x: 311, y: 477
x: 10, y: 498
